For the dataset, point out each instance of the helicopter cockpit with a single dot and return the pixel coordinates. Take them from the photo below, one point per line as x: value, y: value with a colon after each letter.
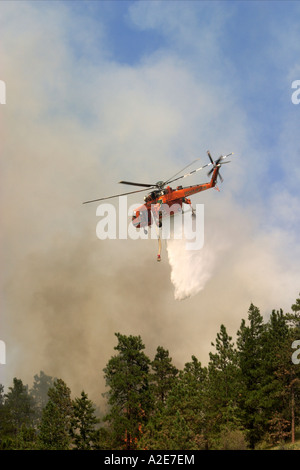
x: 150, y: 197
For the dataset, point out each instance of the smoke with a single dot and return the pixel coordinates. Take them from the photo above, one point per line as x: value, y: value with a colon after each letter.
x: 77, y: 122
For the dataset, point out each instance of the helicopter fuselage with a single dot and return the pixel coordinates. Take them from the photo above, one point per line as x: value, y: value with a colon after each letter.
x: 167, y: 202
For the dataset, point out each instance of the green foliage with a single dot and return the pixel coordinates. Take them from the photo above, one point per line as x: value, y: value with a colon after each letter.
x: 16, y: 415
x: 55, y: 426
x: 19, y: 406
x: 129, y: 395
x: 248, y: 396
x: 250, y: 356
x: 164, y: 374
x: 167, y: 432
x: 231, y: 439
x: 180, y: 423
x: 39, y: 393
x: 83, y: 423
x: 223, y: 383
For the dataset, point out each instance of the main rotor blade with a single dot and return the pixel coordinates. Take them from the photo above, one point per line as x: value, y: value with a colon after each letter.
x: 154, y: 186
x: 201, y: 168
x: 137, y: 184
x: 169, y: 180
x: 116, y: 195
x: 222, y: 158
x: 217, y: 164
x: 191, y: 173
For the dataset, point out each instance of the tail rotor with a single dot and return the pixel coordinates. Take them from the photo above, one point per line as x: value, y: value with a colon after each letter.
x: 217, y: 164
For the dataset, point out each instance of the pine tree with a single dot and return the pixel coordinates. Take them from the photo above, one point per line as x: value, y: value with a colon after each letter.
x: 19, y: 406
x: 39, y: 392
x: 6, y: 430
x: 16, y: 416
x: 274, y: 340
x: 129, y: 395
x: 295, y: 375
x: 83, y: 423
x: 56, y: 419
x: 187, y: 398
x: 164, y: 374
x: 296, y: 309
x: 223, y: 384
x: 1, y: 395
x: 288, y: 372
x: 250, y: 358
x: 180, y: 423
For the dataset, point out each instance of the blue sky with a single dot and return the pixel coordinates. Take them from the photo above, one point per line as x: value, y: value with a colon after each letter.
x: 99, y: 91
x: 252, y: 48
x: 256, y: 47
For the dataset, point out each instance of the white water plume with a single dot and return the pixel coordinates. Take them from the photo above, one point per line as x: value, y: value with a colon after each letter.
x: 190, y: 268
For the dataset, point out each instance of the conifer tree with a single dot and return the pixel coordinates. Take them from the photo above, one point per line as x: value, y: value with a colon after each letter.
x: 180, y: 423
x: 19, y: 406
x: 39, y: 393
x: 274, y: 338
x: 164, y: 374
x: 296, y: 309
x: 288, y: 372
x: 83, y: 423
x: 250, y: 357
x: 223, y: 384
x: 188, y: 396
x: 1, y: 395
x: 56, y: 419
x: 129, y: 395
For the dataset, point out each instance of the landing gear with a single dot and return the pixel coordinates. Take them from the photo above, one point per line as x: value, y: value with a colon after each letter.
x: 189, y: 202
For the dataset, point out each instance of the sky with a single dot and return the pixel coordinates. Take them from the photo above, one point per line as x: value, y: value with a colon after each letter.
x: 103, y: 91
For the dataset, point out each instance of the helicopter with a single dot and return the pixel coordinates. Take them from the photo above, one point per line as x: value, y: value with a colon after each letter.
x: 161, y: 196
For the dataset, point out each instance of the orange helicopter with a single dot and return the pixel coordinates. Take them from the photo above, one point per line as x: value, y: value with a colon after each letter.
x: 162, y: 196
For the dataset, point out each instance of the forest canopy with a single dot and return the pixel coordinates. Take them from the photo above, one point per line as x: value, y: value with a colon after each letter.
x: 246, y: 397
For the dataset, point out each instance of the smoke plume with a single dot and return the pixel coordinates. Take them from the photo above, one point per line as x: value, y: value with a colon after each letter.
x: 75, y: 123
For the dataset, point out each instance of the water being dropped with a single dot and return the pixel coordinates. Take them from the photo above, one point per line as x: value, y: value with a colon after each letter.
x: 191, y: 269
